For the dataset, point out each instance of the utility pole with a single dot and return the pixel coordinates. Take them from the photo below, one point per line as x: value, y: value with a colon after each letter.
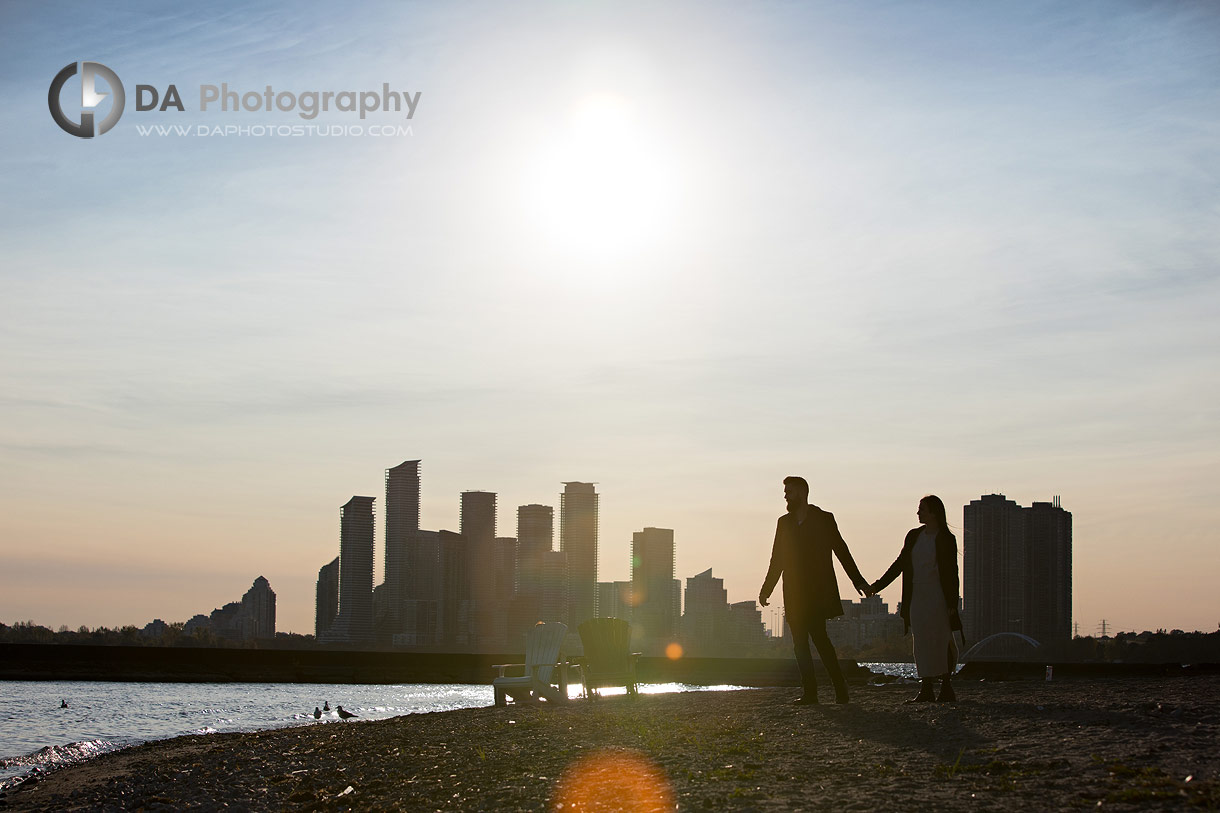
x: 1103, y: 628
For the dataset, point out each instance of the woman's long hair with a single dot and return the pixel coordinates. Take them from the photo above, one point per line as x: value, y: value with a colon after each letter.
x: 937, y: 507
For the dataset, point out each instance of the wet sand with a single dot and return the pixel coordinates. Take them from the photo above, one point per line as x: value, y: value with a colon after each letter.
x: 1126, y: 743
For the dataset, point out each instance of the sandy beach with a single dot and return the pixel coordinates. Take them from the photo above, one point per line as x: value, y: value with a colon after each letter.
x: 1117, y: 743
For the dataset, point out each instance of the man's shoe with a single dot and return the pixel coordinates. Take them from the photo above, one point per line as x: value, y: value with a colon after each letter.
x: 806, y: 700
x: 947, y: 695
x: 841, y: 698
x: 922, y: 697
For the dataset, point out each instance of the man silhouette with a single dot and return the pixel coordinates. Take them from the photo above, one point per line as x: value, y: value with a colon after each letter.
x: 804, y: 539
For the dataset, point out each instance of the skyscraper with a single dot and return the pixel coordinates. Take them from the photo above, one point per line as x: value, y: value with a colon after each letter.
x: 653, y: 615
x: 535, y: 540
x: 578, y: 523
x: 354, y: 624
x: 478, y: 529
x: 1017, y: 569
x: 421, y: 590
x: 614, y: 600
x: 745, y: 628
x: 707, y: 607
x: 453, y: 607
x: 993, y: 567
x: 258, y: 611
x: 327, y: 598
x: 478, y: 516
x: 553, y: 596
x: 1048, y: 532
x: 535, y: 537
x: 535, y: 528
x: 505, y: 561
x: 401, y: 522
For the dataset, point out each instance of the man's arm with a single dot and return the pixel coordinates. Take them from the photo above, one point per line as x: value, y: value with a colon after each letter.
x: 849, y: 564
x: 773, y: 572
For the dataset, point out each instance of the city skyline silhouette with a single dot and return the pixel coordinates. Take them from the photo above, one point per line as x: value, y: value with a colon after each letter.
x: 477, y: 591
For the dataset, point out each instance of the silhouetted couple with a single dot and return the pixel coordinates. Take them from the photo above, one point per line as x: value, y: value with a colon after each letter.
x: 806, y: 536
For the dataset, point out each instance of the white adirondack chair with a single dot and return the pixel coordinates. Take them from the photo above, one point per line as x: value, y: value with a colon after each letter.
x: 542, y: 645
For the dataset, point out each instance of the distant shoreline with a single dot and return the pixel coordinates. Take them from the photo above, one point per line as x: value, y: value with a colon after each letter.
x: 203, y: 665
x: 1023, y: 744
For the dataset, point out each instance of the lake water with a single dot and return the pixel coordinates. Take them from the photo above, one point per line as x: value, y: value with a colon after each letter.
x: 35, y: 732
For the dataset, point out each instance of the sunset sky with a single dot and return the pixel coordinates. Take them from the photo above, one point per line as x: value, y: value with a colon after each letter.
x: 679, y: 250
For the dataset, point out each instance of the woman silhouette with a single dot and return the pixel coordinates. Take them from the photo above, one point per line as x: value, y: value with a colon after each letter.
x: 928, y: 564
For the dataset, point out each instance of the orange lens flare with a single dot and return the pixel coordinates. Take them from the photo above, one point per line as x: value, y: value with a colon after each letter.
x: 613, y: 780
x: 673, y: 651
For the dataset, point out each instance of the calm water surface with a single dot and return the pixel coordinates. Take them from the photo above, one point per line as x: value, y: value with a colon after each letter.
x: 35, y: 732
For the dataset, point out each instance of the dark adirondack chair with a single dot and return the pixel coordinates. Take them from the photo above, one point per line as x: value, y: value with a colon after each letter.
x: 608, y: 659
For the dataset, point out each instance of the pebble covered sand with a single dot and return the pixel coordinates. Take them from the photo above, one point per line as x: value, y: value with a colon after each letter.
x: 1114, y: 743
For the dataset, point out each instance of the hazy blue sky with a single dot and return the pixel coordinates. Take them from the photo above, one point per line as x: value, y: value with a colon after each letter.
x: 681, y: 250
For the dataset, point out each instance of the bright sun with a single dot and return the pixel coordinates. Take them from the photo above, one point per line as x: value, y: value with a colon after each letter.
x: 601, y: 186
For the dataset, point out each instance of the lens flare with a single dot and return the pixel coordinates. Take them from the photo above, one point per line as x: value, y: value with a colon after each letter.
x: 613, y: 780
x: 673, y: 651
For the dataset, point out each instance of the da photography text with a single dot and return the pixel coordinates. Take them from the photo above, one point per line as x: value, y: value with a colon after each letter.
x: 99, y: 83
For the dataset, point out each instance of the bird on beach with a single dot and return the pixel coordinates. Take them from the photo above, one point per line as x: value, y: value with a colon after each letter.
x: 63, y: 704
x: 317, y: 713
x: 344, y: 713
x: 325, y: 705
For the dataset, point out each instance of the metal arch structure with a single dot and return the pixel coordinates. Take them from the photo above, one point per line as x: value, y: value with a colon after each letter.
x: 1018, y: 635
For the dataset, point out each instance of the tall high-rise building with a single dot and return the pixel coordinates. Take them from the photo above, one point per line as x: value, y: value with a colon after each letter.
x: 453, y: 606
x: 354, y: 624
x: 491, y: 607
x: 745, y: 628
x: 993, y: 567
x: 653, y: 616
x: 535, y: 537
x: 546, y: 601
x: 478, y: 516
x: 535, y: 528
x: 1017, y: 569
x: 553, y: 595
x: 478, y: 529
x: 421, y: 590
x: 504, y: 558
x: 250, y: 619
x: 578, y: 524
x: 401, y: 522
x: 327, y: 598
x: 707, y: 607
x: 614, y: 600
x: 1048, y: 532
x: 258, y: 611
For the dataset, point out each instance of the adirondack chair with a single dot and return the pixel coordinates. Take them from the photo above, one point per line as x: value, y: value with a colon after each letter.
x: 542, y: 645
x: 608, y: 659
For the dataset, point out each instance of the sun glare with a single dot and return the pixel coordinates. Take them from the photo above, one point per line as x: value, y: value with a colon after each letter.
x: 601, y: 185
